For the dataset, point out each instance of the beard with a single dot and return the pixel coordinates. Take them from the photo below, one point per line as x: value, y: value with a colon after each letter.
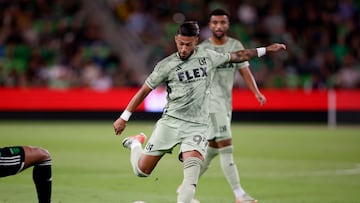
x: 185, y: 57
x: 219, y: 34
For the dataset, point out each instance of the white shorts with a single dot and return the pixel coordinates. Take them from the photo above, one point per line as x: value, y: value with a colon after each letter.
x: 170, y: 131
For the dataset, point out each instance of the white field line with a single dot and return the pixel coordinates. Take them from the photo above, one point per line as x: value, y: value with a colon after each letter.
x: 336, y: 172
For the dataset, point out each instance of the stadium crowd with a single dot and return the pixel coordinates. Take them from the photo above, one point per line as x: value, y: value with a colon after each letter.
x: 53, y: 44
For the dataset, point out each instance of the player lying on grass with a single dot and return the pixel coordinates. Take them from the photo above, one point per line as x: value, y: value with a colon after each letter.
x: 15, y: 159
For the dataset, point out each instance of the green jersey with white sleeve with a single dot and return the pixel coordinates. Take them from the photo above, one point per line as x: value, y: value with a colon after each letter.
x: 223, y: 80
x: 187, y: 83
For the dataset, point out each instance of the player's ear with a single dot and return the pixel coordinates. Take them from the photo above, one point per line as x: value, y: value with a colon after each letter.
x: 196, y: 40
x: 175, y: 38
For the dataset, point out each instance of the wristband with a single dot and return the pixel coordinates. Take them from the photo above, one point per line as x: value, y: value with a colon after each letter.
x: 261, y: 51
x: 126, y: 115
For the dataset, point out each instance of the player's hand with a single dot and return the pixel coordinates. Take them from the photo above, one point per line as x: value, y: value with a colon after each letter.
x: 119, y: 126
x: 275, y: 47
x: 261, y: 99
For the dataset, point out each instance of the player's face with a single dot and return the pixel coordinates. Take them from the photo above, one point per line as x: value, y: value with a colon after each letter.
x: 185, y: 45
x: 219, y: 25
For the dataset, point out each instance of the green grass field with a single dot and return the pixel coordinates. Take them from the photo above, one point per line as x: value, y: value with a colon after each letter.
x: 277, y: 163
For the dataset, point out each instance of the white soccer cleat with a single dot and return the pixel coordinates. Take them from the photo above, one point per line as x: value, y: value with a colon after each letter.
x: 128, y: 140
x: 192, y: 201
x: 195, y: 201
x: 246, y: 199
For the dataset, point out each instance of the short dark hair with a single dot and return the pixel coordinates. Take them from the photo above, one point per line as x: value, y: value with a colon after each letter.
x: 219, y: 12
x: 189, y: 29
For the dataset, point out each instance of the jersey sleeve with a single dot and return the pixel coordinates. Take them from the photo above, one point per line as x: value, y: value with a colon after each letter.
x: 218, y: 58
x: 157, y: 77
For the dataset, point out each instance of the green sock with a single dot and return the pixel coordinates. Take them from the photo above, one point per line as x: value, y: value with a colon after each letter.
x: 43, y: 182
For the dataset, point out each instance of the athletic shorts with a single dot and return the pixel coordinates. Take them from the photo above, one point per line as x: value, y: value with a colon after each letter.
x: 220, y: 128
x: 170, y: 131
x: 11, y: 160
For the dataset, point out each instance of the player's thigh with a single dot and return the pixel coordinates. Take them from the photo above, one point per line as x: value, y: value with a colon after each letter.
x: 194, y: 138
x: 34, y: 155
x: 164, y: 137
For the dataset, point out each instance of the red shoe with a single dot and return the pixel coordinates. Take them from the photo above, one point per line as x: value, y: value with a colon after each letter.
x: 128, y: 140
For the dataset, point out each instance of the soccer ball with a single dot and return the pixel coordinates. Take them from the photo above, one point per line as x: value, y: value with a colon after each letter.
x: 139, y: 201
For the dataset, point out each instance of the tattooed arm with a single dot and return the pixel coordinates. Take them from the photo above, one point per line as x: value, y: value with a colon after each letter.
x: 247, y: 54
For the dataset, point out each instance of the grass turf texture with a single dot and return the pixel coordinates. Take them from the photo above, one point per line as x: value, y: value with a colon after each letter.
x: 277, y: 164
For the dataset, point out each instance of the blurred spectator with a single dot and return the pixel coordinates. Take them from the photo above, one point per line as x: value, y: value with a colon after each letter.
x: 49, y: 44
x: 349, y: 75
x: 54, y: 44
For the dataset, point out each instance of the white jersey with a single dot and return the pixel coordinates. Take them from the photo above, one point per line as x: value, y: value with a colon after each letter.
x: 187, y: 83
x: 222, y: 84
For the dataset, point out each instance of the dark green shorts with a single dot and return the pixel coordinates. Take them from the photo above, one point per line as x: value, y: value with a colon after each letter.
x: 11, y: 160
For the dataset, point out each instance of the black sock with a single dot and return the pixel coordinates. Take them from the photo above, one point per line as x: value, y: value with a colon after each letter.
x: 42, y: 180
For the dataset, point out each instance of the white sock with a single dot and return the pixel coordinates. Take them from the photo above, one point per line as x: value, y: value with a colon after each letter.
x: 239, y: 192
x: 135, y: 143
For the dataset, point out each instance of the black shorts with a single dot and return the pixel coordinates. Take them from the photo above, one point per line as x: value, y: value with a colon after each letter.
x: 11, y: 160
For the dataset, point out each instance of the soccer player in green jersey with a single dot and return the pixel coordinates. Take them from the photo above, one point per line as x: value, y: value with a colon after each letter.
x: 18, y: 158
x: 220, y: 136
x: 187, y: 75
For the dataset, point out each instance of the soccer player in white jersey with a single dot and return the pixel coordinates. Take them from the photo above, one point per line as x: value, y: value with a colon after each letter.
x: 14, y: 159
x: 220, y: 136
x: 187, y: 75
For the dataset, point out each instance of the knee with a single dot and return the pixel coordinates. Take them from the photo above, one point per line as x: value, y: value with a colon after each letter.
x: 226, y: 150
x: 43, y: 154
x: 141, y: 173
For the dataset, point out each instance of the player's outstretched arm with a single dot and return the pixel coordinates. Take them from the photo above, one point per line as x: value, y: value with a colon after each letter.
x: 247, y: 54
x: 120, y: 123
x: 251, y: 84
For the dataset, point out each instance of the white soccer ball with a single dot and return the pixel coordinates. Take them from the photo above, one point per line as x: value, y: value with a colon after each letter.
x: 139, y: 201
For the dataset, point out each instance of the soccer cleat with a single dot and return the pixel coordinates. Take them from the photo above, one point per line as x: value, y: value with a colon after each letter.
x: 246, y: 199
x: 195, y: 201
x: 192, y: 201
x: 128, y: 140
